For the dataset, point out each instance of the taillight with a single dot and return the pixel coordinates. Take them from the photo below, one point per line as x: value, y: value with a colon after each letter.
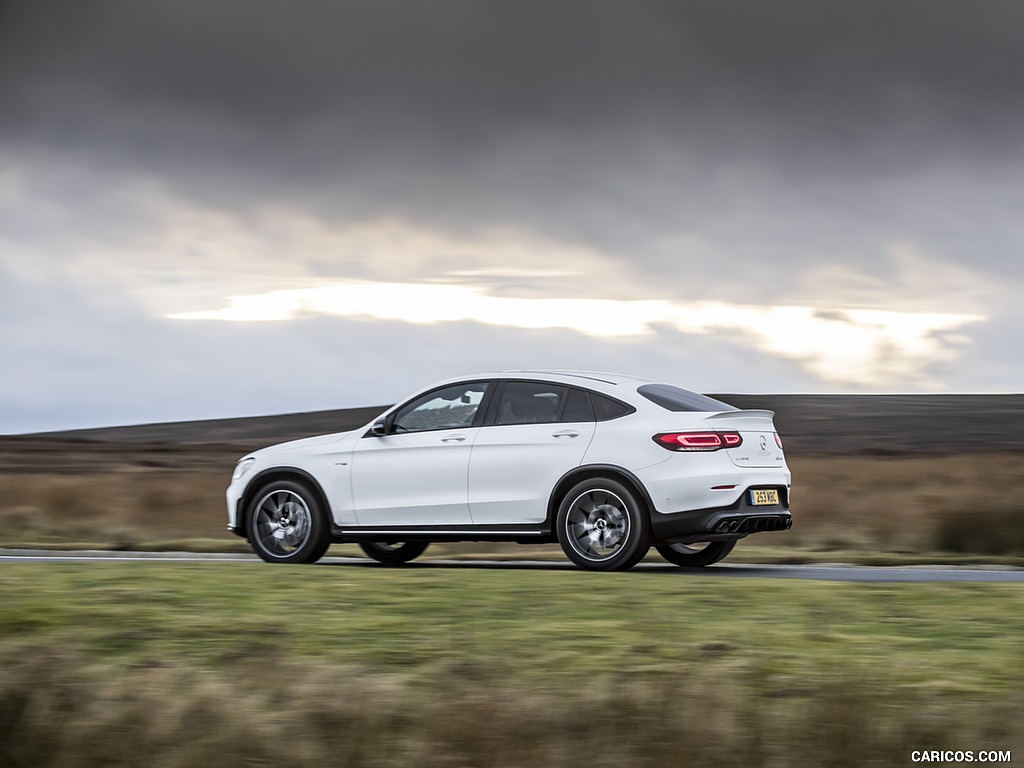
x: 778, y: 440
x: 698, y: 441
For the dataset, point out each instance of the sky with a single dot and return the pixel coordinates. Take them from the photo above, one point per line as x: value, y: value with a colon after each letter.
x: 215, y: 208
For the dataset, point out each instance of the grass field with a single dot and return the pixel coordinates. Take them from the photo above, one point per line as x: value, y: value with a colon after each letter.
x: 866, y: 508
x: 248, y: 664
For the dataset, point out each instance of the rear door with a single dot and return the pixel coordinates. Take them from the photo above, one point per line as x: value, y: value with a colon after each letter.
x: 537, y: 432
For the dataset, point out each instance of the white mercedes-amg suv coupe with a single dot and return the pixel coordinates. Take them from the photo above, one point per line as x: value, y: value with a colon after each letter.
x: 605, y: 464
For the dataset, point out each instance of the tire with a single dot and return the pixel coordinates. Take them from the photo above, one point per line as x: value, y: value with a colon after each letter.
x: 686, y: 556
x: 286, y: 524
x: 602, y: 526
x: 393, y: 553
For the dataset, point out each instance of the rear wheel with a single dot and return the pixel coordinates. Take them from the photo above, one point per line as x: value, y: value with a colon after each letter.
x: 696, y: 555
x: 393, y: 552
x: 602, y: 526
x: 286, y: 524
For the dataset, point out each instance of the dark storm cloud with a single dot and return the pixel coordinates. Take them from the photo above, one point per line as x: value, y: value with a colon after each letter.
x: 308, y: 89
x: 486, y: 66
x: 833, y: 154
x: 774, y: 135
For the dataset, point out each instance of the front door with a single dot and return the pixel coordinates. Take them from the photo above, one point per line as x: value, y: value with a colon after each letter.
x: 417, y: 473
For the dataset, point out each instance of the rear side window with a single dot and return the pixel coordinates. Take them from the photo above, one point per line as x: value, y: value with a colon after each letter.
x: 677, y: 399
x: 578, y: 407
x: 526, y: 402
x: 606, y: 409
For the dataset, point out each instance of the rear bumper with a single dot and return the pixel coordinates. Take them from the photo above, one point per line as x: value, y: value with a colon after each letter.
x: 736, y: 521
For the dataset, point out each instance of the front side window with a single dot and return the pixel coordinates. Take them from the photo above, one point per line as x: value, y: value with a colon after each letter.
x: 527, y: 402
x: 448, y: 408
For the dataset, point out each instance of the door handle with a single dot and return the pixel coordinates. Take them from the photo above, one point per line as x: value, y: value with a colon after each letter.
x: 567, y: 433
x: 453, y: 439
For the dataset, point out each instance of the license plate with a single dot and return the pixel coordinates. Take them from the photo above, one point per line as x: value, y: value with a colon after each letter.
x: 762, y: 497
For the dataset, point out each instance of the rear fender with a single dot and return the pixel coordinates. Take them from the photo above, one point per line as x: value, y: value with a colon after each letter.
x: 579, y: 474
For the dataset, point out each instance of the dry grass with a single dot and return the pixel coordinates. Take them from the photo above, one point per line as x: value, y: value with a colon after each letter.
x: 125, y: 664
x: 895, y: 504
x: 313, y: 715
x: 118, y: 508
x: 907, y: 503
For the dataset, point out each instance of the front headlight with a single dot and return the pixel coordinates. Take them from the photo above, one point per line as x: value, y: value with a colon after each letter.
x: 242, y: 467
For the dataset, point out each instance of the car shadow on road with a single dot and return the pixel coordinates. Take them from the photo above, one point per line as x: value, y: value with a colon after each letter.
x: 544, y: 565
x: 835, y: 573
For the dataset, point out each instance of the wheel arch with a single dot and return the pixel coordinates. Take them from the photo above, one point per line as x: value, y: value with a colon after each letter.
x: 273, y: 474
x: 579, y: 474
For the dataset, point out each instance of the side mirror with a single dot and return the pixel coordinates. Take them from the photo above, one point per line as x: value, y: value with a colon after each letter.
x: 379, y: 428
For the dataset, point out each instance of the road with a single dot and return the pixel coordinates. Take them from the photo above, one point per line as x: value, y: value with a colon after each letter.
x: 848, y: 573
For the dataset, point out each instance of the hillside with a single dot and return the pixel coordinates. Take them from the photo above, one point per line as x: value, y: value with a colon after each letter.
x: 809, y: 424
x: 875, y: 474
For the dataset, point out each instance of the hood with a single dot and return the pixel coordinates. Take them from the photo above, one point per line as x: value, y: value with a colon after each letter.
x: 303, y: 443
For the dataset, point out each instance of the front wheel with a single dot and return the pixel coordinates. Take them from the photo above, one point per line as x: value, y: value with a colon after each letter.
x: 602, y: 526
x: 285, y: 524
x: 393, y: 552
x: 695, y: 556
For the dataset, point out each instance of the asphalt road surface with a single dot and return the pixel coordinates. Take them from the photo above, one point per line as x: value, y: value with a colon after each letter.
x: 850, y: 573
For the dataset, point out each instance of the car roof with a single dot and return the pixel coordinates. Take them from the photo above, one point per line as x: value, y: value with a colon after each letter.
x: 570, y: 375
x: 615, y: 384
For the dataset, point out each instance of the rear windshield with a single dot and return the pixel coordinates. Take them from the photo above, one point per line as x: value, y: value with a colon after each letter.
x: 676, y: 399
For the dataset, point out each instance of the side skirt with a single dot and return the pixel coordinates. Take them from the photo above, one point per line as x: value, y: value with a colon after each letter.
x: 521, y: 534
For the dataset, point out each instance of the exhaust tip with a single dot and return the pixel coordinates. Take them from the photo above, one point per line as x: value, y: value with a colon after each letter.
x: 734, y: 526
x: 722, y: 527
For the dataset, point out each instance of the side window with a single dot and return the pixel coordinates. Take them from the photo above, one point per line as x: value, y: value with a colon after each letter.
x: 578, y: 407
x: 607, y: 409
x: 527, y: 402
x: 447, y: 408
